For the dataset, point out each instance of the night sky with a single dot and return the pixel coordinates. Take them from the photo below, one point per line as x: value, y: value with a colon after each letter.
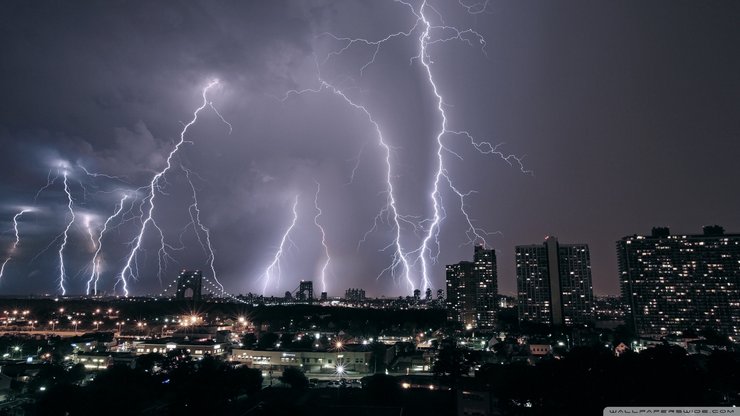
x: 627, y: 113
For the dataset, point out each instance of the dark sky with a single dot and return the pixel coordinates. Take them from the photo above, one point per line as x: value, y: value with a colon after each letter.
x: 627, y: 113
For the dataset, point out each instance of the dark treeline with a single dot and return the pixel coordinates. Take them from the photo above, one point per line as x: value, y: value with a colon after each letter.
x: 176, y: 384
x: 276, y: 316
x: 583, y: 382
x: 180, y: 386
x: 588, y: 379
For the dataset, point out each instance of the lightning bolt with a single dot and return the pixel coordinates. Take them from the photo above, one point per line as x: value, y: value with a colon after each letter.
x: 389, y: 211
x: 88, y: 227
x: 323, y: 237
x: 95, y: 274
x: 17, y: 240
x: 475, y: 8
x: 97, y: 174
x: 429, y: 249
x: 70, y: 207
x: 475, y: 234
x: 273, y: 269
x: 194, y: 211
x: 148, y: 204
x: 49, y: 182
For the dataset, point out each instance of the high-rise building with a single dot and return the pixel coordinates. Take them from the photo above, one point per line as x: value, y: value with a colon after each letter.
x: 471, y: 290
x: 672, y: 283
x: 354, y: 295
x: 554, y: 283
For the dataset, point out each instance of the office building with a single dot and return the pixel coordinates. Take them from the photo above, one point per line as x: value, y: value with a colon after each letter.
x: 472, y: 288
x: 196, y: 348
x: 354, y: 295
x: 673, y: 283
x: 350, y: 359
x: 554, y: 283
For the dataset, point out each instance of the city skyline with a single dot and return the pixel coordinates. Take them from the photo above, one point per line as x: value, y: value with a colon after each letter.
x: 617, y: 143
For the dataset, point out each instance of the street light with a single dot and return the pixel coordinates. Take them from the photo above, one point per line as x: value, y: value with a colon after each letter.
x: 75, y: 324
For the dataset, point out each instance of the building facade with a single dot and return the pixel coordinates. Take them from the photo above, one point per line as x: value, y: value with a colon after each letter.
x: 472, y: 288
x: 673, y: 283
x: 354, y: 295
x: 554, y: 284
x: 197, y: 349
x: 350, y: 360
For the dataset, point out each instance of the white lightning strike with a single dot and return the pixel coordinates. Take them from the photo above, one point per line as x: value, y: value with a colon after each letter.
x: 97, y: 174
x: 70, y: 207
x: 95, y: 274
x: 194, y: 211
x: 475, y: 8
x: 17, y: 240
x: 475, y: 234
x: 323, y: 237
x: 428, y: 251
x: 273, y: 269
x: 152, y: 189
x: 390, y: 210
x: 87, y: 219
x: 49, y: 182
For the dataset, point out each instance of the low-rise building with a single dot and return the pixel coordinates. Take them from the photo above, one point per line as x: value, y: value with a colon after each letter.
x: 351, y: 359
x: 195, y: 348
x: 102, y: 360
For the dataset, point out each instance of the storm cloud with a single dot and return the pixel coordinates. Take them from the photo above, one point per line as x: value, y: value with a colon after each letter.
x: 626, y: 112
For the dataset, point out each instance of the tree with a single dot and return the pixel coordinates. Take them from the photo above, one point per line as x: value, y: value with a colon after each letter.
x: 48, y: 375
x: 76, y: 373
x: 286, y: 340
x: 294, y: 377
x: 248, y: 379
x: 248, y: 340
x: 624, y: 334
x: 306, y: 342
x: 176, y: 359
x: 382, y: 387
x: 114, y: 388
x: 147, y: 362
x: 324, y: 342
x: 377, y: 359
x: 267, y: 341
